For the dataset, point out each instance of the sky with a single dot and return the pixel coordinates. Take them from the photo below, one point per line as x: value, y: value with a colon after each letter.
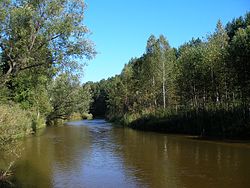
x: 120, y: 28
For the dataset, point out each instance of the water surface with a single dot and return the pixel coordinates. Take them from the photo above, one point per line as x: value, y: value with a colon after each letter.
x: 96, y: 154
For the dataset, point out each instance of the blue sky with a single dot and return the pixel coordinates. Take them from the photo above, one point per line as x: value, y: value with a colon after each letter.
x: 120, y: 28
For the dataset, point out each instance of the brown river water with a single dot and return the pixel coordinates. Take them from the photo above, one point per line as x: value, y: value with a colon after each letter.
x: 95, y: 154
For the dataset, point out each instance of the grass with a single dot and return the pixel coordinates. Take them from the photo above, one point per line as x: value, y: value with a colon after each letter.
x: 219, y: 123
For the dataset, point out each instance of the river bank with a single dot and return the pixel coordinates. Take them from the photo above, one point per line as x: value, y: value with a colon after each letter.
x: 210, y: 124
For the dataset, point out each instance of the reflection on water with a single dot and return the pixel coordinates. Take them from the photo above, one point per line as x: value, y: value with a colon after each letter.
x: 95, y: 154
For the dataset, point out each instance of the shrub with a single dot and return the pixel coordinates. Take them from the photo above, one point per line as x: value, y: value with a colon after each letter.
x: 14, y: 123
x: 87, y: 116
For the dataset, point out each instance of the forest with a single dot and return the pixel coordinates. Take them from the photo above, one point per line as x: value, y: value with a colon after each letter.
x: 201, y: 88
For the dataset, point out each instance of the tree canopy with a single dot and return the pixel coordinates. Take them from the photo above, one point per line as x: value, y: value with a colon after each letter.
x: 42, y: 35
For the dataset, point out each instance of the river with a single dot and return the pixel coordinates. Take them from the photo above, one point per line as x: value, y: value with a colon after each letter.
x: 95, y: 154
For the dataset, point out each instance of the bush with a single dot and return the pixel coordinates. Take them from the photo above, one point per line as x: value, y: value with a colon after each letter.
x: 14, y: 123
x: 87, y: 116
x: 38, y: 122
x: 78, y: 116
x: 75, y: 116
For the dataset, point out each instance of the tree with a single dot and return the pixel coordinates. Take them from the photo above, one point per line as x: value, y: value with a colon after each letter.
x: 240, y: 22
x: 68, y: 96
x: 84, y: 98
x: 215, y: 60
x: 98, y: 106
x: 190, y: 78
x: 240, y: 62
x: 167, y: 58
x: 150, y: 68
x: 115, y: 98
x: 41, y: 33
x: 164, y: 46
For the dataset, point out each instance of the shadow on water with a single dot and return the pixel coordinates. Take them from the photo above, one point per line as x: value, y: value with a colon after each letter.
x: 177, y: 161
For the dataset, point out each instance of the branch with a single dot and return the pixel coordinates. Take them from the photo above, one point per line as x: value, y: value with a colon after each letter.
x: 32, y: 66
x: 53, y: 38
x: 8, y: 172
x: 33, y: 38
x: 34, y: 35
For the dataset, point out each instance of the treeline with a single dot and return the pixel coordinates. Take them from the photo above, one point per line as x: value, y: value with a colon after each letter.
x: 201, y: 88
x: 39, y: 83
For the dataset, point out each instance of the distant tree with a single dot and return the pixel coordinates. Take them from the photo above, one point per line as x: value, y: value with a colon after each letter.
x: 98, y: 106
x: 215, y: 60
x: 191, y: 80
x: 167, y: 59
x: 68, y: 96
x: 237, y: 23
x: 84, y: 98
x: 240, y: 61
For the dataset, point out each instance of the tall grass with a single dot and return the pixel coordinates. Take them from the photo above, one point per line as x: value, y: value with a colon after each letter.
x: 221, y: 123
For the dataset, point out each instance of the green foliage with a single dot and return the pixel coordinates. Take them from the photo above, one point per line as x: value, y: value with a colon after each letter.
x: 40, y: 41
x: 84, y: 98
x: 43, y: 34
x: 241, y: 22
x: 191, y: 75
x: 67, y: 97
x: 99, y: 93
x: 75, y: 116
x: 186, y: 90
x: 208, y: 123
x: 87, y: 116
x: 14, y: 123
x: 240, y: 61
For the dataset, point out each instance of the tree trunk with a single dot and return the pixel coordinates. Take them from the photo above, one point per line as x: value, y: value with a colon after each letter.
x: 164, y: 95
x: 163, y: 85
